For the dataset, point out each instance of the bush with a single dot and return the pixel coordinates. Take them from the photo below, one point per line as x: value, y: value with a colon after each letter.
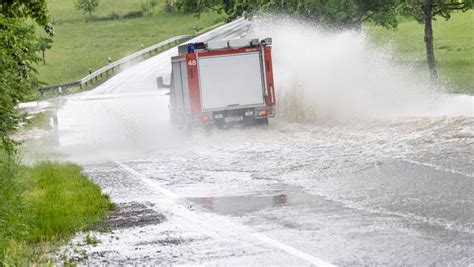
x: 114, y: 15
x: 111, y: 16
x: 133, y: 14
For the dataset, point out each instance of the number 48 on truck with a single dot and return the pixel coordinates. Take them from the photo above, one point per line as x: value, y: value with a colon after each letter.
x: 222, y: 83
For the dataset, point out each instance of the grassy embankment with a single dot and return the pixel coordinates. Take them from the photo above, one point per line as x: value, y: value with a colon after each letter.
x: 79, y: 44
x: 42, y: 206
x: 453, y: 42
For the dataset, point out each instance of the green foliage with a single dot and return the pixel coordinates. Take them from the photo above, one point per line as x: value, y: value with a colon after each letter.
x: 442, y: 8
x: 44, y: 43
x: 27, y: 9
x: 168, y: 7
x: 148, y: 7
x: 64, y: 11
x: 87, y: 6
x: 17, y: 53
x: 11, y: 204
x: 334, y: 13
x: 45, y: 203
x: 343, y: 13
x: 133, y: 14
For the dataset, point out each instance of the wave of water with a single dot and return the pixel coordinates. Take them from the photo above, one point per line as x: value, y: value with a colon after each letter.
x: 341, y: 75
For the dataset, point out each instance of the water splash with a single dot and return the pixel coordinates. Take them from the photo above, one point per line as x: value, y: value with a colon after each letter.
x: 322, y: 75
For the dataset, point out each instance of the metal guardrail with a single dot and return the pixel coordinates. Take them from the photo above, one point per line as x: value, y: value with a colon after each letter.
x: 111, y: 68
x: 62, y: 86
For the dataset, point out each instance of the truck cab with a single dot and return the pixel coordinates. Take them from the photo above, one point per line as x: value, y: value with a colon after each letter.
x: 222, y: 83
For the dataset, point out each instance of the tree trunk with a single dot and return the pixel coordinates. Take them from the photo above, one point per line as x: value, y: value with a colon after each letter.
x: 168, y: 7
x: 44, y: 59
x: 428, y: 19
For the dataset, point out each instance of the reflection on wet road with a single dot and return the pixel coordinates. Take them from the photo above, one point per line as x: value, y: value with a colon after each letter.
x: 238, y: 205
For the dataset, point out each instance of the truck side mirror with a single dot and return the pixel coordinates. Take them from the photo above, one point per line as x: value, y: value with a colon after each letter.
x: 160, y: 84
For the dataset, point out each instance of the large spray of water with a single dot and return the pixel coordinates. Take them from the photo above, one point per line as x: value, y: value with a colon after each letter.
x: 323, y: 75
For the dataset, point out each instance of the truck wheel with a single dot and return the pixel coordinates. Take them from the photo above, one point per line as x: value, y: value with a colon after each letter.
x: 262, y: 122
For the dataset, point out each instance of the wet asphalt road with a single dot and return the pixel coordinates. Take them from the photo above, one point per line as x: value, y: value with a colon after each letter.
x: 395, y: 192
x: 365, y: 208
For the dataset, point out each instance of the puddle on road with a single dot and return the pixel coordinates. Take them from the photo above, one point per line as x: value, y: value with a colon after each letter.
x: 238, y: 205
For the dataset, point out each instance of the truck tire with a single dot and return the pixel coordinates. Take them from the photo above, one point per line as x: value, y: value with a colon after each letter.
x: 261, y: 122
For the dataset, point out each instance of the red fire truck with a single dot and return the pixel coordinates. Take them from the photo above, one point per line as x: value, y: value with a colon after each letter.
x: 222, y: 83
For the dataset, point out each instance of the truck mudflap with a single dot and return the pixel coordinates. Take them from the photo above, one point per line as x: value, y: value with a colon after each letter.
x: 235, y: 117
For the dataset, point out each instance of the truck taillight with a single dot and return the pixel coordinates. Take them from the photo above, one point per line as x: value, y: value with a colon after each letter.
x: 263, y: 113
x: 205, y: 118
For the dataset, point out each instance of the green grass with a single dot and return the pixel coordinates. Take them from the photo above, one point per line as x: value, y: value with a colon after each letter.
x: 42, y: 206
x: 62, y: 200
x: 453, y: 42
x: 39, y: 121
x: 64, y: 11
x: 79, y: 45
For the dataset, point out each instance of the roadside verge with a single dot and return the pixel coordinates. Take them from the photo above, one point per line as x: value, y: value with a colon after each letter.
x: 42, y: 206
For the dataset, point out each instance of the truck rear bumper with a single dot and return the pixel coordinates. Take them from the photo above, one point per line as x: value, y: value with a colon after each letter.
x: 245, y: 116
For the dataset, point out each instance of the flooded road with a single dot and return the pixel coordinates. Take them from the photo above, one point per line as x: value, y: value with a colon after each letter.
x: 381, y: 191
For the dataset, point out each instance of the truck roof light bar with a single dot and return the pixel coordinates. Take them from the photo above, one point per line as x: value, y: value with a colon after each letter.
x: 215, y: 45
x: 190, y: 48
x: 266, y: 41
x: 222, y: 44
x: 187, y: 48
x: 238, y: 43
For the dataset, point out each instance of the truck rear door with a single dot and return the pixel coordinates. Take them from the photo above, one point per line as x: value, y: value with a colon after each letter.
x: 234, y: 80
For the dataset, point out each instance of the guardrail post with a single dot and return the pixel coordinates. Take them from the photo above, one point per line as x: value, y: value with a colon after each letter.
x: 55, y: 127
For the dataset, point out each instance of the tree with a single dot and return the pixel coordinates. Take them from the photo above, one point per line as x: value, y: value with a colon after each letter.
x: 333, y: 13
x: 342, y: 13
x: 167, y: 6
x: 44, y: 43
x: 18, y: 52
x: 425, y: 11
x: 87, y: 6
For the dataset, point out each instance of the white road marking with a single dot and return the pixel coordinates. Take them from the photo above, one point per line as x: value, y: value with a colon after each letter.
x: 436, y: 167
x: 261, y: 237
x: 158, y: 188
